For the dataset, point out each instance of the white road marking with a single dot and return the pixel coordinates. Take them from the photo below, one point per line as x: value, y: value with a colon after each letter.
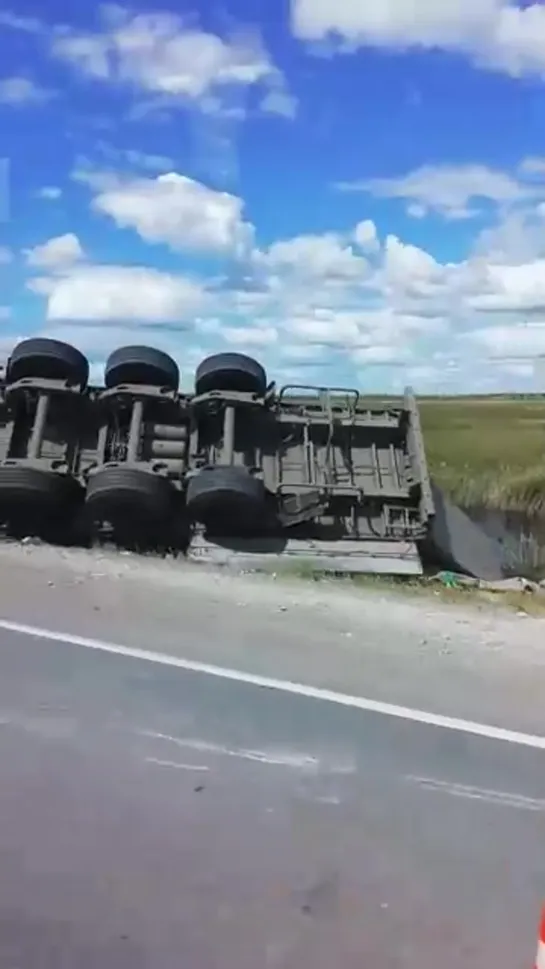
x: 272, y: 758
x: 504, y: 798
x: 175, y: 764
x: 49, y: 728
x: 286, y: 686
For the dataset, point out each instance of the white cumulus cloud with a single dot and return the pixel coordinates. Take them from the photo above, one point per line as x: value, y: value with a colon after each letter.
x: 366, y: 236
x: 120, y: 294
x: 409, y: 268
x: 495, y: 34
x: 520, y: 340
x: 56, y: 253
x: 311, y: 256
x: 249, y: 336
x: 178, y: 211
x: 327, y: 329
x: 20, y: 90
x: 381, y: 310
x: 517, y: 289
x: 164, y: 54
x: 453, y: 191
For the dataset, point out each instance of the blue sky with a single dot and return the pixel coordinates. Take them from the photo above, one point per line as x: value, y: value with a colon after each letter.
x: 354, y: 193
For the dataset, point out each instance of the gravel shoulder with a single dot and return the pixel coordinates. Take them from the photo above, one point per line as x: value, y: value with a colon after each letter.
x: 479, y: 663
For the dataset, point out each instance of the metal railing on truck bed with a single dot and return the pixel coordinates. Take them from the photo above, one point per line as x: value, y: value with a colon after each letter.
x: 236, y: 465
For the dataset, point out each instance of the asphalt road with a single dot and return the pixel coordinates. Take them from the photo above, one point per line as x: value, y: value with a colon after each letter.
x: 164, y: 818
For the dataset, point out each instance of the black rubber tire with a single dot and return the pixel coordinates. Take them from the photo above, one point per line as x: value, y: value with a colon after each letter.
x: 230, y: 371
x: 36, y: 490
x: 141, y: 365
x: 40, y: 358
x: 129, y: 495
x: 226, y: 498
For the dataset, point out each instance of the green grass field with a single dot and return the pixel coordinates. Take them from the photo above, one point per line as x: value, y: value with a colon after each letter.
x: 488, y: 451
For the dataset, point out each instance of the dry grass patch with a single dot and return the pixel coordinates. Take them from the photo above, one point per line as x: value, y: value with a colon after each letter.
x: 488, y: 451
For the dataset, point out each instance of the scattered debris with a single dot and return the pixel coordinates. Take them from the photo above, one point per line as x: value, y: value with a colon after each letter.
x: 450, y: 580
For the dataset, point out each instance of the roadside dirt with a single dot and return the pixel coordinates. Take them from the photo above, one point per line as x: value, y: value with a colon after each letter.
x: 412, y: 608
x: 478, y: 662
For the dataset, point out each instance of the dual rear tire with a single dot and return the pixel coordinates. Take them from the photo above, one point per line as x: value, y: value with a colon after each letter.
x: 33, y: 498
x: 228, y: 499
x: 38, y: 502
x: 221, y: 372
x: 221, y: 497
x: 43, y: 359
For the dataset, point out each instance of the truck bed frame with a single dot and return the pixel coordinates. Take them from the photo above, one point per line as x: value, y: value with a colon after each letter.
x: 222, y: 473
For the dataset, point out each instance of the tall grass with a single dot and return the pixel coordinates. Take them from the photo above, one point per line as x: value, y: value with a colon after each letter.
x: 488, y: 452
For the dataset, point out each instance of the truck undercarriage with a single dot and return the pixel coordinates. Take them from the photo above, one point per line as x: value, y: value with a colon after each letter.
x: 236, y: 469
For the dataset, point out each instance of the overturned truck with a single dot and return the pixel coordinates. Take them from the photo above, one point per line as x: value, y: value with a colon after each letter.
x: 236, y: 470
